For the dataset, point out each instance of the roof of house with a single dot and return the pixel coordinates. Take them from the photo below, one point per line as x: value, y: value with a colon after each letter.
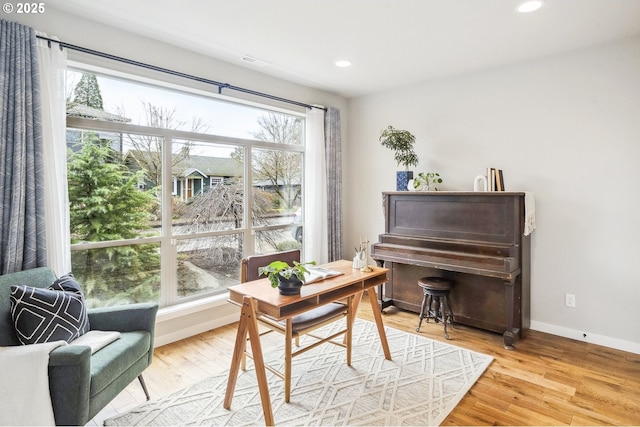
x: 209, y: 166
x: 192, y: 172
x: 202, y: 165
x: 86, y: 112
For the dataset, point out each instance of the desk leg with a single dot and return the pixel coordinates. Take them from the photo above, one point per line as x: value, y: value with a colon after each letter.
x: 288, y: 359
x: 356, y: 302
x: 249, y: 324
x: 352, y: 306
x: 379, y: 324
x: 351, y: 315
x: 236, y: 359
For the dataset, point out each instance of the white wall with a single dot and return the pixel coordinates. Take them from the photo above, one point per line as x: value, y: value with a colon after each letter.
x: 567, y: 128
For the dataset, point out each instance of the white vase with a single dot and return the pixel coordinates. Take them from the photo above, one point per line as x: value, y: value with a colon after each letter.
x: 480, y: 183
x: 359, y: 261
x: 411, y: 187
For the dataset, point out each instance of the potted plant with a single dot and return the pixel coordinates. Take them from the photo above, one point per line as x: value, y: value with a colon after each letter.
x: 425, y: 181
x: 401, y: 141
x: 288, y: 279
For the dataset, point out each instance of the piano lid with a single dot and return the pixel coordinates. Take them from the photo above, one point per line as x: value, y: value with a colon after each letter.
x: 455, y: 216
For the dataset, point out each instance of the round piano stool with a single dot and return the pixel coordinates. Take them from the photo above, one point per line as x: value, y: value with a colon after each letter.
x: 436, y: 304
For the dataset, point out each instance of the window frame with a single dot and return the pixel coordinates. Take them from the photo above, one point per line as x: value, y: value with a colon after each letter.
x: 167, y: 240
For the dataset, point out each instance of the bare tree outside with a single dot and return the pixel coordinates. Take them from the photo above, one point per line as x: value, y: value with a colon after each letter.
x: 146, y: 150
x: 279, y: 128
x: 281, y: 170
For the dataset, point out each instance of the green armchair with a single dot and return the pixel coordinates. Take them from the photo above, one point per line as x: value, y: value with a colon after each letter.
x: 81, y: 384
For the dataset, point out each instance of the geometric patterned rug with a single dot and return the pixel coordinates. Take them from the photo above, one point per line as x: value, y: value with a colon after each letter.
x: 421, y: 385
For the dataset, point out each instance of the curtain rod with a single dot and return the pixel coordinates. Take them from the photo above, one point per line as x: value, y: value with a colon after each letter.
x: 220, y: 85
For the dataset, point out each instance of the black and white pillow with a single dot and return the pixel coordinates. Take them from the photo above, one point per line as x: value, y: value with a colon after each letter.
x: 49, y: 314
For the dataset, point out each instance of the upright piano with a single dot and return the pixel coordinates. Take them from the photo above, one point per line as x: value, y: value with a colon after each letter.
x: 474, y: 238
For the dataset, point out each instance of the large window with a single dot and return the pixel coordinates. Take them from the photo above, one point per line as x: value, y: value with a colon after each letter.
x: 169, y: 188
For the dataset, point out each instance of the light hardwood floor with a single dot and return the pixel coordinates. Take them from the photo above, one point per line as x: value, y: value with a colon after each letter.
x: 547, y: 380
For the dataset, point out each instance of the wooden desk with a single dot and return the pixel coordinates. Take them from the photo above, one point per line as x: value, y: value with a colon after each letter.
x: 258, y: 297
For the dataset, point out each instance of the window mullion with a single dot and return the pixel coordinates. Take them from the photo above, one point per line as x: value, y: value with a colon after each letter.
x: 169, y: 282
x: 249, y: 235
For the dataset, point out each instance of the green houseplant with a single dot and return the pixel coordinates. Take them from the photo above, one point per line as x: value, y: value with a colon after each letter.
x: 400, y: 141
x: 285, y: 277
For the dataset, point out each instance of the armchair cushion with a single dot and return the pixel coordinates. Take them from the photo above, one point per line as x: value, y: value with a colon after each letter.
x: 96, y: 340
x: 113, y: 360
x: 52, y: 314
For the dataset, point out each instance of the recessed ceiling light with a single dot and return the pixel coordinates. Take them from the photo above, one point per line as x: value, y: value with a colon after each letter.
x: 343, y: 63
x: 530, y: 6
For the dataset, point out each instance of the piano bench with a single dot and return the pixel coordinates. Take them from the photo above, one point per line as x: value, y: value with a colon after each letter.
x: 436, y: 293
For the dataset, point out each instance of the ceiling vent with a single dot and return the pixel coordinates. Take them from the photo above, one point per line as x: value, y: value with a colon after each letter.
x: 254, y: 61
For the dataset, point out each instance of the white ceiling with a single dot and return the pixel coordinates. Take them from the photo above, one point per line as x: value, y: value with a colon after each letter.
x: 391, y: 43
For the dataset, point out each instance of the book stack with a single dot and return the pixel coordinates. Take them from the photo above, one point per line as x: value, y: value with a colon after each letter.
x: 495, y: 180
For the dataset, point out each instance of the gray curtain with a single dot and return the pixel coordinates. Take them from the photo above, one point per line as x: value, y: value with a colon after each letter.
x: 333, y: 154
x: 22, y: 238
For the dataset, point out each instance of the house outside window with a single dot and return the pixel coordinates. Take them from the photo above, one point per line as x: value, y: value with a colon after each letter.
x: 165, y: 199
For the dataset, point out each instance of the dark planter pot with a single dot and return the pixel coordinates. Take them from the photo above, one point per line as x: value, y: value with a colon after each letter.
x: 402, y: 179
x: 290, y: 286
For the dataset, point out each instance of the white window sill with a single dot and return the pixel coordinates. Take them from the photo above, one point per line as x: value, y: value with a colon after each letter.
x: 192, y: 318
x: 184, y: 309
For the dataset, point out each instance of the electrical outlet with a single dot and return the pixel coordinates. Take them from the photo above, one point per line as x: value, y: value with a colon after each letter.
x: 570, y: 300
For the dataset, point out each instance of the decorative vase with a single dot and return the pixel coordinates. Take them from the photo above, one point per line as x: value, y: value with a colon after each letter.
x: 480, y: 183
x: 402, y: 179
x: 290, y: 286
x: 360, y: 260
x: 411, y: 185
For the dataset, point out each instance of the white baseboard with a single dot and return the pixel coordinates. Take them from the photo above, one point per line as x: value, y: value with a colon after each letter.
x: 618, y: 344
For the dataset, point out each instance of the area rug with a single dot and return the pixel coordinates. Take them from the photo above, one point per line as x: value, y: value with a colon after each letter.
x: 421, y: 385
